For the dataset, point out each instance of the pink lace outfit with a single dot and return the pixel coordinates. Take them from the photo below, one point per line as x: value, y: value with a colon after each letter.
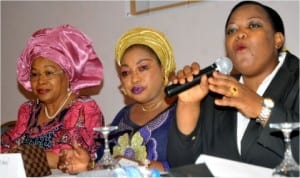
x: 75, y: 122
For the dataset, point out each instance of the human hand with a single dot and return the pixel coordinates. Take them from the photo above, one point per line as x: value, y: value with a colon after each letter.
x: 74, y: 160
x: 235, y: 94
x: 196, y: 93
x: 188, y: 110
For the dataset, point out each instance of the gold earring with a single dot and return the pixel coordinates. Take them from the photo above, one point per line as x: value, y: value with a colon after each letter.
x: 123, y: 91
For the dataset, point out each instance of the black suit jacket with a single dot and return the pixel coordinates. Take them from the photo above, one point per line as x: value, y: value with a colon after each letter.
x: 217, y: 127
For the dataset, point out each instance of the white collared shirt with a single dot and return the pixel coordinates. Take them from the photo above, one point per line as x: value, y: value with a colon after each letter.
x: 243, y: 121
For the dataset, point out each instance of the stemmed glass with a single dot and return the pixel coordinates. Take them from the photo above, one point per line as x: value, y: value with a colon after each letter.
x: 288, y: 166
x: 107, y: 161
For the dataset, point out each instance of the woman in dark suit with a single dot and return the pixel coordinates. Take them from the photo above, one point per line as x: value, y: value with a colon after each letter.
x: 233, y: 119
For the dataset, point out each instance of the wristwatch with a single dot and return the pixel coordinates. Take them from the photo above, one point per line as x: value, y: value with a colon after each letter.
x: 267, y: 106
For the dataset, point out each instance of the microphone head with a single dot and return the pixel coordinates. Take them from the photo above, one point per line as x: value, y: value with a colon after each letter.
x: 224, y: 65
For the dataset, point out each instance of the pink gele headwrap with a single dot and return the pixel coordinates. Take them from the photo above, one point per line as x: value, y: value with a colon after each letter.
x: 67, y: 47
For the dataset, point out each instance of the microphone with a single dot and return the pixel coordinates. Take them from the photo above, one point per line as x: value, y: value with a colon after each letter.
x: 222, y: 64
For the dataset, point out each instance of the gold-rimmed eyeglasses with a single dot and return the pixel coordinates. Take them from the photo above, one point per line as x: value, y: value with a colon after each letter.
x: 48, y: 75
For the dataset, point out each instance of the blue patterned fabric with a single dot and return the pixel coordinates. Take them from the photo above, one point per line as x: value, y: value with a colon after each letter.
x: 154, y: 133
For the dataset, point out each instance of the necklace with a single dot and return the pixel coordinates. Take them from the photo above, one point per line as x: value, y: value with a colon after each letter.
x: 152, y: 108
x: 59, y: 109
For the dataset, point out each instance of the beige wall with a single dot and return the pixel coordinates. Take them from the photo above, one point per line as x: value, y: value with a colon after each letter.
x: 196, y: 32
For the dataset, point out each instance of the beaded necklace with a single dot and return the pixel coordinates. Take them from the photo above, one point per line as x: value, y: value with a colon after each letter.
x: 59, y: 109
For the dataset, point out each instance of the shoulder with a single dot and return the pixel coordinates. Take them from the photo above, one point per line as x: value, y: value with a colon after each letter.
x: 124, y: 112
x: 28, y: 103
x: 291, y: 61
x: 84, y: 102
x: 84, y: 99
x: 170, y: 111
x: 86, y: 105
x: 24, y: 114
x: 290, y: 68
x: 291, y: 56
x: 26, y: 107
x: 83, y: 106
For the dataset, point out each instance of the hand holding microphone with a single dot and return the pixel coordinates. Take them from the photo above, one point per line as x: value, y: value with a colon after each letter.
x: 222, y: 64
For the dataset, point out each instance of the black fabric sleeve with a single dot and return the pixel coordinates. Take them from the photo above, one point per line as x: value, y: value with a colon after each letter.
x: 182, y: 149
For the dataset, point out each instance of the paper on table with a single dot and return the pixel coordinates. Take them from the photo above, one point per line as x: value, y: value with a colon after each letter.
x: 11, y: 165
x: 228, y: 168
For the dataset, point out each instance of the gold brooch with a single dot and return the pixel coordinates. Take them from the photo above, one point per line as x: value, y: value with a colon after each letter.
x: 131, y: 148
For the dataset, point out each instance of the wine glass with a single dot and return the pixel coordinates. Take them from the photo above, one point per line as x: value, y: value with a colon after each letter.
x: 288, y: 166
x: 107, y: 161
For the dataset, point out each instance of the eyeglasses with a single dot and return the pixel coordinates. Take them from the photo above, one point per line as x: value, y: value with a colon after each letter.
x: 48, y: 75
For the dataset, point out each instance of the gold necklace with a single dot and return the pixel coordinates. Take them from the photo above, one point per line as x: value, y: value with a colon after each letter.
x: 59, y: 109
x: 152, y: 108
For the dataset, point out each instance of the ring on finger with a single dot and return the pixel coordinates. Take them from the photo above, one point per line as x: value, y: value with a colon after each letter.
x: 234, y: 91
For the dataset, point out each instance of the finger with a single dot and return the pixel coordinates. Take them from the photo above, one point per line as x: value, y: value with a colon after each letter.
x: 224, y: 85
x: 80, y: 152
x: 62, y: 152
x: 61, y: 160
x: 63, y: 168
x: 195, y: 68
x: 75, y: 144
x: 188, y: 73
x: 174, y: 80
x: 221, y: 76
x: 225, y: 101
x: 203, y: 82
x: 233, y: 91
x: 72, y: 167
x: 181, y: 77
x: 221, y: 88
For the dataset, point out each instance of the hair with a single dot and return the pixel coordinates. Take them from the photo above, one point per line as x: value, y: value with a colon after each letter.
x: 274, y: 17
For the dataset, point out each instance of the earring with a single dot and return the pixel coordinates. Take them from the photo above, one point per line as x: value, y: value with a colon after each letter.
x: 37, y: 101
x: 277, y: 46
x: 123, y: 91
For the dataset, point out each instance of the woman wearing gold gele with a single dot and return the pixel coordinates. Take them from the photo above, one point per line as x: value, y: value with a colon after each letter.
x: 145, y: 62
x: 145, y: 59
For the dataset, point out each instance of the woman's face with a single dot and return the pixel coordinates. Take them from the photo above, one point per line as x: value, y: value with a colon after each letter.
x: 251, y: 42
x: 141, y: 75
x: 49, y: 82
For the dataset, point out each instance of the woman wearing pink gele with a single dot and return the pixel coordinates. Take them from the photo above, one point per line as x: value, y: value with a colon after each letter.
x: 55, y: 64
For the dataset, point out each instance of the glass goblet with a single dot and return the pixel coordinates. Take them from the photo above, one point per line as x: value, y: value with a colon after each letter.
x: 107, y: 161
x: 288, y: 166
